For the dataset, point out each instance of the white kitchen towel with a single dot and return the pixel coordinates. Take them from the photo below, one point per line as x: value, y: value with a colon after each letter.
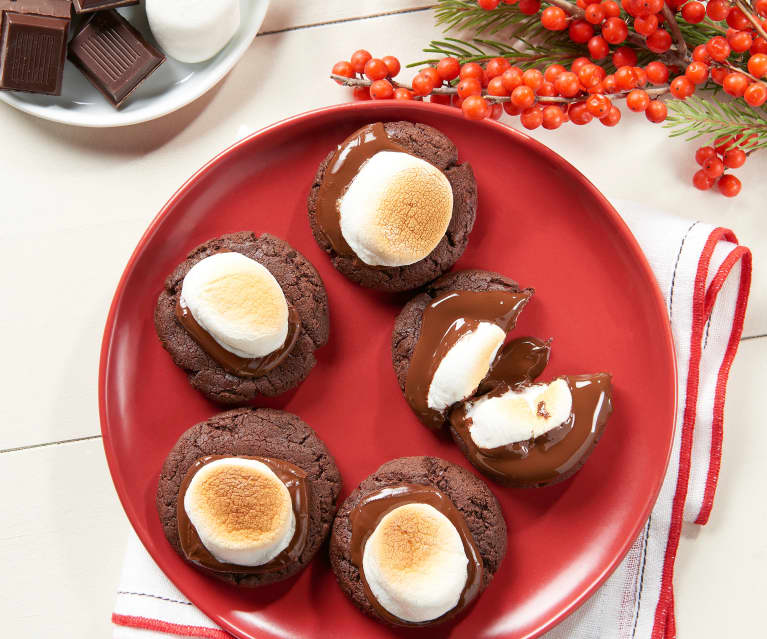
x: 704, y: 276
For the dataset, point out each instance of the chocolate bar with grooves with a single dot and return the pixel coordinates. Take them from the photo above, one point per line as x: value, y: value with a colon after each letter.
x: 32, y: 52
x: 113, y: 55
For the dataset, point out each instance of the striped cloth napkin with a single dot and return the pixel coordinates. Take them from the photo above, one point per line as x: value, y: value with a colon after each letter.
x: 705, y: 277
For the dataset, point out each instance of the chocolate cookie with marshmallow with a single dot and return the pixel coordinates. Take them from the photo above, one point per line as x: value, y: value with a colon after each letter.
x: 417, y: 542
x: 457, y: 365
x: 447, y: 338
x: 248, y: 496
x: 392, y: 205
x: 243, y: 315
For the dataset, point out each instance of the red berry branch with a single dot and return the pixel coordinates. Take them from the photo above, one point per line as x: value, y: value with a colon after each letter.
x: 580, y: 58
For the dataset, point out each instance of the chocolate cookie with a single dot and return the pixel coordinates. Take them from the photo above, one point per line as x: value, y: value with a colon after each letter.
x: 435, y: 147
x: 302, y: 287
x: 259, y: 432
x: 472, y: 498
x: 407, y: 326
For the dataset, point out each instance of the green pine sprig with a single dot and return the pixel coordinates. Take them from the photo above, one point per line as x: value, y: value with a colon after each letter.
x: 710, y: 118
x: 695, y: 34
x: 468, y: 15
x: 521, y: 52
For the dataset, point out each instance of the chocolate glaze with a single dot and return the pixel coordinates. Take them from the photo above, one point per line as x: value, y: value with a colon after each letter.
x: 346, y: 162
x: 295, y: 481
x: 445, y: 320
x: 520, y: 360
x: 560, y: 451
x: 240, y: 366
x: 373, y: 507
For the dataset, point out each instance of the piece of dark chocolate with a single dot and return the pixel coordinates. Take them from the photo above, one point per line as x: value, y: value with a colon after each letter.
x: 51, y: 8
x: 32, y: 52
x: 88, y: 6
x: 113, y: 55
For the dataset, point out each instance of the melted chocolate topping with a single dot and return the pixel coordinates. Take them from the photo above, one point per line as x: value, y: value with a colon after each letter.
x: 520, y: 360
x: 555, y: 452
x: 368, y: 513
x: 346, y: 162
x: 295, y: 481
x: 240, y: 366
x: 445, y: 320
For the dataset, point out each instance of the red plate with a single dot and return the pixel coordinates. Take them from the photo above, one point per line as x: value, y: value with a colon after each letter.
x: 540, y: 222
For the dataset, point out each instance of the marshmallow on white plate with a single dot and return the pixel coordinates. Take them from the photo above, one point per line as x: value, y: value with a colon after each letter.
x: 241, y: 510
x: 465, y: 365
x: 396, y: 209
x: 193, y: 30
x: 519, y: 415
x: 238, y: 302
x: 415, y: 564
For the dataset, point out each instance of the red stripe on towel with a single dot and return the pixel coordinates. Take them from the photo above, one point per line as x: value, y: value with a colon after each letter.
x: 145, y: 623
x: 742, y: 255
x: 662, y: 627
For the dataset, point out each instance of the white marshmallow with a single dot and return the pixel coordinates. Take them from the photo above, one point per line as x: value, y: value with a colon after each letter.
x: 238, y: 302
x: 465, y: 365
x: 241, y: 510
x: 519, y: 415
x: 396, y: 209
x: 415, y: 564
x: 193, y: 30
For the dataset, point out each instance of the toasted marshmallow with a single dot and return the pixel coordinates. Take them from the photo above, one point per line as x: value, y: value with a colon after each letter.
x: 238, y: 302
x: 241, y: 511
x: 465, y: 365
x: 193, y: 30
x: 396, y: 209
x: 415, y: 564
x: 519, y: 415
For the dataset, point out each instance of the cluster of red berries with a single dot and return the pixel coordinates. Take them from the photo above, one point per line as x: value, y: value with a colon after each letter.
x: 727, y: 153
x: 549, y: 98
x: 708, y: 60
x: 380, y: 72
x: 556, y: 95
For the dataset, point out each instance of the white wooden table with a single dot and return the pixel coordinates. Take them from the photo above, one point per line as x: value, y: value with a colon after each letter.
x: 74, y: 202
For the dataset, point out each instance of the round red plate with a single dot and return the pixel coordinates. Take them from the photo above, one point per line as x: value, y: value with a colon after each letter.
x: 540, y: 222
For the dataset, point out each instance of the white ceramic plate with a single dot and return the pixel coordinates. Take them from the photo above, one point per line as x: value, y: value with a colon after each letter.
x: 173, y: 85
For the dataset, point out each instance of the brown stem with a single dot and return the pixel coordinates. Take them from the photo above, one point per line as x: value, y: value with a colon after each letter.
x: 653, y: 92
x: 729, y: 65
x: 751, y: 18
x: 360, y: 82
x: 676, y: 33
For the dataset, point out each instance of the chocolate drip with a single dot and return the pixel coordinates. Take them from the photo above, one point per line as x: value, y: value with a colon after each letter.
x: 445, y: 320
x: 346, y: 162
x: 295, y: 481
x: 368, y: 513
x: 521, y: 360
x: 240, y: 366
x: 557, y: 451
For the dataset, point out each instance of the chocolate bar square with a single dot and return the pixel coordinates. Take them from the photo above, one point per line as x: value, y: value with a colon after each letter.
x: 88, y: 6
x: 32, y: 53
x: 113, y: 55
x: 51, y: 8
